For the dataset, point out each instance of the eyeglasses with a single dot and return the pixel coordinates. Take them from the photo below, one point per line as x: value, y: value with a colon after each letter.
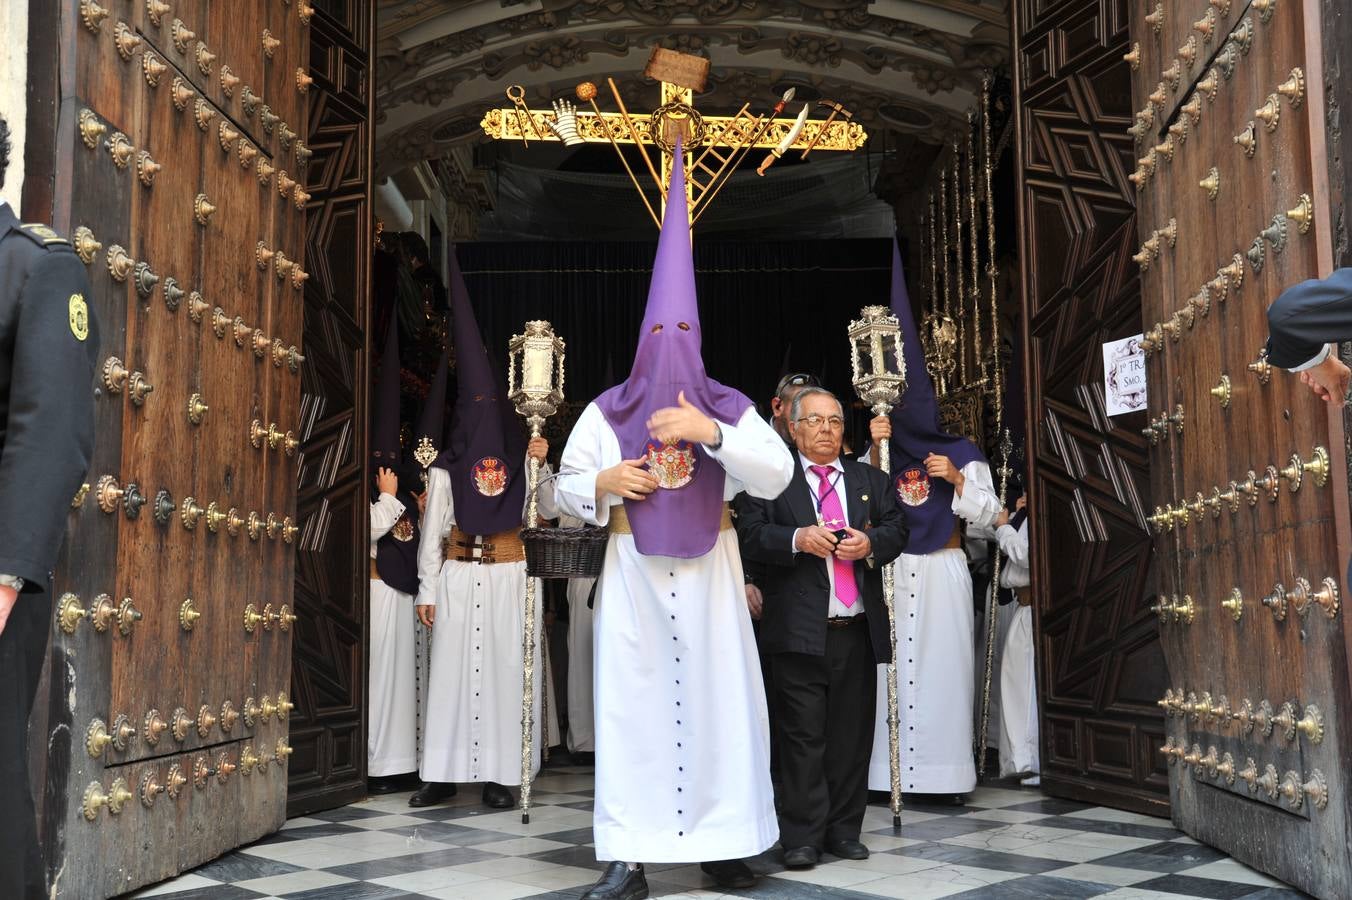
x: 816, y: 421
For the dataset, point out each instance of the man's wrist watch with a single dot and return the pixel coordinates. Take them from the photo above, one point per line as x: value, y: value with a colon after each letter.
x: 12, y: 581
x: 718, y: 437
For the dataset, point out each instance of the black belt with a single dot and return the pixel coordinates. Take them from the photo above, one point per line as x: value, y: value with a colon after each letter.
x: 844, y: 621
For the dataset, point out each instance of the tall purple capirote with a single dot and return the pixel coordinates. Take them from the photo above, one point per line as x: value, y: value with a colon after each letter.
x: 396, y: 560
x: 486, y: 438
x: 916, y: 433
x: 385, y: 404
x: 432, y: 416
x: 681, y: 521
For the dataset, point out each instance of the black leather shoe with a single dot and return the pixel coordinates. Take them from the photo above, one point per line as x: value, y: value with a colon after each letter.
x: 383, y: 784
x: 729, y: 873
x: 431, y: 793
x: 847, y: 849
x: 801, y: 857
x: 497, y: 797
x: 619, y: 884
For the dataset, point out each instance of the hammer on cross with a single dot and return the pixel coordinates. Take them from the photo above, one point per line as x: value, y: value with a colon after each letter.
x: 836, y: 110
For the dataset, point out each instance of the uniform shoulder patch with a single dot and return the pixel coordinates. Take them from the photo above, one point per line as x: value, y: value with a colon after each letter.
x: 79, y: 316
x: 43, y: 234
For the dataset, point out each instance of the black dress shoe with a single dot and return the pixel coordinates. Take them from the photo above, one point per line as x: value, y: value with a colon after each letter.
x: 847, y: 849
x: 801, y: 857
x: 730, y: 873
x: 497, y: 797
x: 383, y: 784
x: 431, y: 793
x: 619, y: 884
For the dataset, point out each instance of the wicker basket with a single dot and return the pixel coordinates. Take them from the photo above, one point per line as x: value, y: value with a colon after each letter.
x: 564, y: 552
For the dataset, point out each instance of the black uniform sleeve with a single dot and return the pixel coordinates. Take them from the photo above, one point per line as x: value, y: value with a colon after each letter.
x: 1307, y: 316
x: 50, y: 432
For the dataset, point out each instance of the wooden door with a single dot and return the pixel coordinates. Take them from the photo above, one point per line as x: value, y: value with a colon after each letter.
x: 1249, y: 473
x: 1100, y: 667
x: 178, y: 139
x: 332, y: 572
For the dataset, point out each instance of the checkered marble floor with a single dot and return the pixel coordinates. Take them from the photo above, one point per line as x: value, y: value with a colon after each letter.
x: 1007, y: 842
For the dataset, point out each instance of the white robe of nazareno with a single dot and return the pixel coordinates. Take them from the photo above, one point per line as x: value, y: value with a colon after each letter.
x: 1018, y: 677
x: 391, y: 734
x: 474, y: 694
x: 936, y: 662
x: 682, y: 734
x: 581, y: 731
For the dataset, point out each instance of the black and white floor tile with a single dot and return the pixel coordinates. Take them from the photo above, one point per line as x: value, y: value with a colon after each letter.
x: 1007, y: 842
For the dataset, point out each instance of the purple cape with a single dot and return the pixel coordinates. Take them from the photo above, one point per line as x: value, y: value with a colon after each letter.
x: 485, y: 454
x: 681, y: 518
x: 916, y: 433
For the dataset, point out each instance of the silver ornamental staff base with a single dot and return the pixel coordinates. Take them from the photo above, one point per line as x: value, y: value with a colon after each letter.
x: 992, y: 605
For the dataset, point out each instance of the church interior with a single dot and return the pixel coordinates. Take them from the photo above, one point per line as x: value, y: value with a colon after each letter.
x: 1031, y: 161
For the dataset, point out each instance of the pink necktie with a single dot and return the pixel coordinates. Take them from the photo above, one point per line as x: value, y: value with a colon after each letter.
x: 833, y: 519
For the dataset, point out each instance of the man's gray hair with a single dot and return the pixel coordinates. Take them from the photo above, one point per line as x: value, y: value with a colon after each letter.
x: 808, y: 392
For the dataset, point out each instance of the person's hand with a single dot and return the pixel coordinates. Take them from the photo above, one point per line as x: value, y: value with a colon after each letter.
x: 755, y: 601
x: 537, y: 449
x: 1021, y: 504
x: 422, y: 503
x: 856, y: 546
x: 630, y: 480
x: 880, y: 428
x: 8, y: 596
x: 816, y: 540
x: 386, y: 481
x: 427, y: 614
x: 1328, y: 380
x: 942, y: 467
x: 1003, y: 519
x: 682, y: 422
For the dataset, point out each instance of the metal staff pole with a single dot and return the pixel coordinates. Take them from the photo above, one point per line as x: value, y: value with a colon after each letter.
x: 535, y: 387
x: 876, y: 338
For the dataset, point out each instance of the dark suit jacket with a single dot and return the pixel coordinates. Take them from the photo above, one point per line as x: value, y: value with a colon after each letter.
x: 795, y: 585
x: 1309, y: 315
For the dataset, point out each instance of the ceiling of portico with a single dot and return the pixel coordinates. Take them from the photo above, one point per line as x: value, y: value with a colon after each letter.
x: 909, y: 70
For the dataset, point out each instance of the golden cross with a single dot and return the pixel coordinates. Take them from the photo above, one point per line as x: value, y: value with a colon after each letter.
x: 706, y: 165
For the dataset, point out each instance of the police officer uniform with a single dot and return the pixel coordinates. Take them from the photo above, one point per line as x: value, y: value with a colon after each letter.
x: 48, y: 345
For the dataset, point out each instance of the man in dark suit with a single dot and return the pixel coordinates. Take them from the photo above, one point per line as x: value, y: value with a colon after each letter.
x: 822, y: 545
x: 1301, y: 324
x: 48, y: 344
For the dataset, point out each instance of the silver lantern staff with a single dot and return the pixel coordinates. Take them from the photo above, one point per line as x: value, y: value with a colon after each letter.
x: 535, y: 387
x: 879, y: 378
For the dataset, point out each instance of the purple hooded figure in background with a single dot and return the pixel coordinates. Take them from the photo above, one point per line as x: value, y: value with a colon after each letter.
x: 939, y: 479
x: 472, y: 582
x: 391, y: 737
x: 485, y: 453
x: 680, y: 705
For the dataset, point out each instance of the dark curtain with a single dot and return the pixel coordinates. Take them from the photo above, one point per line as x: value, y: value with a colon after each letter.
x: 766, y: 308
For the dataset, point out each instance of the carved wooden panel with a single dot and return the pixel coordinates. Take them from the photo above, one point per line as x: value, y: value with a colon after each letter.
x: 1248, y: 468
x: 1100, y: 667
x: 332, y: 574
x: 172, y: 132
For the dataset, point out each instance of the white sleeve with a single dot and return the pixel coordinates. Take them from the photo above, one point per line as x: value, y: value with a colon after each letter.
x: 436, y: 522
x: 384, y: 513
x: 978, y: 503
x: 575, y: 489
x: 1014, y: 544
x: 755, y: 456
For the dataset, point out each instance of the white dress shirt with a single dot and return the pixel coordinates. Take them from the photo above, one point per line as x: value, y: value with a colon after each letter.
x: 835, y: 609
